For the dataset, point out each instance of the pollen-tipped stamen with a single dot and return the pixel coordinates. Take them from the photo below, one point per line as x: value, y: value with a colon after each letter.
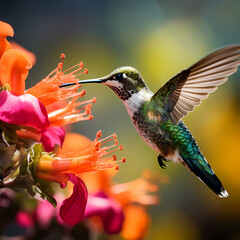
x: 73, y: 72
x: 48, y: 91
x: 90, y: 158
x: 120, y: 148
x: 71, y: 113
x: 62, y: 56
x: 85, y: 70
x: 107, y: 139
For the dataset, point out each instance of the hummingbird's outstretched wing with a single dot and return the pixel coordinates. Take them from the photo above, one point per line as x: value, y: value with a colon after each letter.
x: 186, y: 90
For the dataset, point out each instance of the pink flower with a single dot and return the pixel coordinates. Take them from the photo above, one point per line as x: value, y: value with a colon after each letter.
x: 109, y: 211
x: 51, y: 137
x: 66, y: 166
x: 32, y: 110
x: 23, y: 110
x: 72, y: 208
x: 24, y: 219
x: 44, y: 213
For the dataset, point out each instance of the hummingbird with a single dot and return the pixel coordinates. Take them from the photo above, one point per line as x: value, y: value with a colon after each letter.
x: 158, y: 116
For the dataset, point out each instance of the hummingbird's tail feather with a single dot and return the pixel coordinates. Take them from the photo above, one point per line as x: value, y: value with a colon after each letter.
x: 211, y: 180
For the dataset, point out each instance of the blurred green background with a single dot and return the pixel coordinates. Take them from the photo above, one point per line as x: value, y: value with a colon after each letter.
x: 159, y: 38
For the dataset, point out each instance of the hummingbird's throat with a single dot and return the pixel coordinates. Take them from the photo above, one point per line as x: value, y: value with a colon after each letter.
x: 123, y: 94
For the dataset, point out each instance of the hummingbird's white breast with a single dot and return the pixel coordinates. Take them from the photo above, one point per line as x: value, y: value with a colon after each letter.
x: 137, y: 100
x: 133, y: 104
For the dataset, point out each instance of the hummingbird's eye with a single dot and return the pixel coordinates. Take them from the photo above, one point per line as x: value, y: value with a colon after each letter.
x: 118, y: 76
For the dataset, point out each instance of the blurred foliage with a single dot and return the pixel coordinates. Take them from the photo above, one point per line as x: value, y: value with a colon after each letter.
x: 159, y: 38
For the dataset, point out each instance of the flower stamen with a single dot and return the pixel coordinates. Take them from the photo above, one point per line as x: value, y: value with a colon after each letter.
x: 88, y: 159
x: 116, y: 149
x: 107, y: 139
x: 70, y: 112
x: 62, y: 56
x: 48, y: 91
x: 79, y: 65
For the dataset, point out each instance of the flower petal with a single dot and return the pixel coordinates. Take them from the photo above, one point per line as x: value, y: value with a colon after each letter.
x: 23, y: 110
x: 136, y: 223
x: 72, y: 208
x: 72, y: 143
x: 24, y: 219
x: 31, y: 55
x: 51, y: 137
x: 14, y: 66
x: 108, y: 210
x: 5, y: 30
x: 44, y: 213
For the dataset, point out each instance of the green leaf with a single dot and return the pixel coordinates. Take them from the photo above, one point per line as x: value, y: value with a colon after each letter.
x: 29, y: 168
x: 42, y: 187
x: 6, y: 153
x: 9, y: 132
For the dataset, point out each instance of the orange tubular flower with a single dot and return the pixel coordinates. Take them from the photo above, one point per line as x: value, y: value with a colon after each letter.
x: 14, y: 70
x: 136, y: 191
x: 16, y: 107
x: 42, y: 109
x: 31, y: 55
x: 61, y: 112
x: 133, y: 196
x: 48, y: 91
x: 5, y: 31
x: 136, y: 223
x: 63, y: 168
x: 86, y: 159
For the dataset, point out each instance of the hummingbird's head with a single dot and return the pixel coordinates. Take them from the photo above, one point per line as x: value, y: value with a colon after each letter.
x: 124, y: 81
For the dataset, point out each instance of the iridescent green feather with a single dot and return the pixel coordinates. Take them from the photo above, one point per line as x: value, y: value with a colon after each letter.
x: 188, y: 148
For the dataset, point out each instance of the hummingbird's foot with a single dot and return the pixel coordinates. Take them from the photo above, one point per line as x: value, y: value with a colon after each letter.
x: 161, y: 163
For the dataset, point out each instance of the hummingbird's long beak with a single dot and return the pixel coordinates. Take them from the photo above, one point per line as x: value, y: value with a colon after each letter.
x: 96, y: 80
